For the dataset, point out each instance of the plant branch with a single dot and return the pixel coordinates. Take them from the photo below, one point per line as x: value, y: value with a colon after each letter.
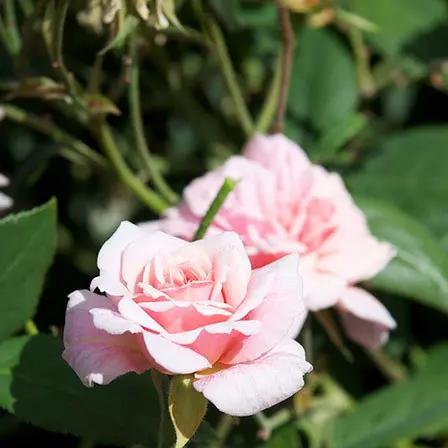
x: 52, y: 131
x: 287, y: 55
x: 230, y: 77
x: 222, y: 431
x: 137, y: 126
x: 391, y: 369
x: 109, y: 146
x: 365, y: 78
x: 226, y: 188
x: 270, y: 105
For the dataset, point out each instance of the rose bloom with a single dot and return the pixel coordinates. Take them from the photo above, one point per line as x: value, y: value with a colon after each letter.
x: 191, y: 308
x: 284, y: 204
x: 5, y: 201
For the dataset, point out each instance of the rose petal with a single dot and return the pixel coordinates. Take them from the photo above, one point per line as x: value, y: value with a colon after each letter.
x: 355, y: 257
x: 4, y: 181
x: 175, y: 358
x: 278, y: 312
x: 5, y: 201
x: 245, y: 389
x: 96, y: 356
x: 365, y: 319
x: 140, y: 252
x: 231, y: 265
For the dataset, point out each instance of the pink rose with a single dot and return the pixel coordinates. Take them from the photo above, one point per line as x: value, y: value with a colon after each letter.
x: 190, y: 308
x: 5, y: 201
x: 285, y: 204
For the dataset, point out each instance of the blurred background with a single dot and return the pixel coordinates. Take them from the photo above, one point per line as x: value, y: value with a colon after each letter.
x: 368, y: 98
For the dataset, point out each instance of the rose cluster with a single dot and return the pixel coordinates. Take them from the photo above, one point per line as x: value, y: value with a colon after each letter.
x: 227, y: 309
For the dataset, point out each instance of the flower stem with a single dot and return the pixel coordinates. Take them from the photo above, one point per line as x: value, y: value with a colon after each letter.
x: 270, y: 105
x: 288, y: 49
x: 137, y: 121
x: 365, y: 78
x: 51, y: 130
x: 392, y: 370
x: 230, y: 77
x: 222, y: 431
x: 226, y: 188
x: 109, y: 146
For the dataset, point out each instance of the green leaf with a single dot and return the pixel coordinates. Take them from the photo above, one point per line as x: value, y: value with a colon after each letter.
x: 45, y: 392
x: 420, y: 269
x: 405, y: 410
x: 337, y: 136
x: 323, y: 88
x: 399, y: 21
x: 28, y: 242
x: 9, y: 357
x: 286, y: 436
x: 187, y: 408
x: 410, y: 169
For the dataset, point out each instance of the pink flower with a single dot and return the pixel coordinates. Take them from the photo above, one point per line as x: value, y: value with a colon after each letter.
x: 5, y: 201
x: 190, y: 308
x: 285, y: 204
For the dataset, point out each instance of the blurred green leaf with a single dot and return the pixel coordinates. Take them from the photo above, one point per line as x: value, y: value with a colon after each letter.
x: 410, y: 169
x: 27, y: 242
x: 405, y: 410
x: 286, y: 436
x: 337, y: 136
x: 44, y: 391
x: 420, y: 268
x: 246, y: 14
x: 323, y: 84
x: 399, y: 21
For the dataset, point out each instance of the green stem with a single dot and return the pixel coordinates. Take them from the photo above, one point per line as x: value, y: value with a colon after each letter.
x: 270, y: 105
x: 11, y: 26
x: 391, y: 369
x: 222, y: 431
x: 166, y: 430
x: 54, y: 132
x: 287, y: 55
x: 5, y: 37
x: 109, y: 146
x: 365, y: 78
x: 226, y: 188
x: 137, y: 121
x: 230, y: 77
x: 31, y: 328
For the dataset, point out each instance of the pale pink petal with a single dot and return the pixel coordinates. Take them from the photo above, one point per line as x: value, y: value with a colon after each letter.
x: 133, y: 312
x: 254, y: 196
x: 174, y: 358
x: 96, y: 356
x: 231, y: 265
x: 365, y: 319
x: 278, y: 311
x: 109, y: 258
x: 245, y: 389
x: 150, y: 226
x: 140, y: 252
x: 355, y: 257
x: 276, y: 152
x: 4, y: 181
x: 176, y: 317
x: 5, y: 201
